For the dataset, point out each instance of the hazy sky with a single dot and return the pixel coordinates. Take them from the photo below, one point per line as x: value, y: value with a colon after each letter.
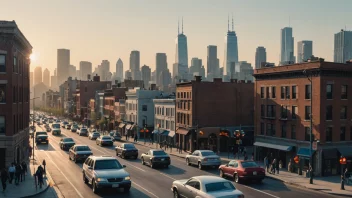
x: 95, y: 30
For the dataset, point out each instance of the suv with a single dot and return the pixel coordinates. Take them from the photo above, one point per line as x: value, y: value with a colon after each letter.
x: 105, y: 172
x: 41, y: 137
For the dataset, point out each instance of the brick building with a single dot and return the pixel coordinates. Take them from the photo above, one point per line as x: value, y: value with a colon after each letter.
x: 110, y: 97
x: 282, y: 114
x: 14, y: 94
x: 212, y: 107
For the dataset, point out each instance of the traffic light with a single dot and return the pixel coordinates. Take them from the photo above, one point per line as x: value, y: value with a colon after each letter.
x: 223, y: 133
x: 343, y: 160
x: 296, y: 159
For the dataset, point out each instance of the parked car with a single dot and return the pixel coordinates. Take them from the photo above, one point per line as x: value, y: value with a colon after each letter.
x: 203, y: 158
x: 105, y: 172
x: 82, y: 132
x: 56, y: 131
x: 156, y: 157
x: 79, y: 153
x: 68, y: 126
x: 41, y: 137
x: 66, y: 143
x: 241, y: 170
x: 93, y: 136
x: 127, y: 150
x: 74, y: 128
x: 115, y: 135
x: 205, y: 187
x: 104, y: 140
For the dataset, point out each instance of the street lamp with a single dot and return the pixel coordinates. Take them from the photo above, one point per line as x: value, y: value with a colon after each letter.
x: 309, y: 76
x: 146, y: 124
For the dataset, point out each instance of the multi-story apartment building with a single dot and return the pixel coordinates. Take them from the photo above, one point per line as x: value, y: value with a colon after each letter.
x: 283, y: 108
x: 110, y: 97
x: 164, y: 119
x: 120, y: 114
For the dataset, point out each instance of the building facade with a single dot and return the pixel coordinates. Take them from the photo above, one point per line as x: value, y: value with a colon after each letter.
x: 287, y: 46
x: 304, y: 51
x: 38, y: 75
x: 161, y: 65
x: 146, y: 75
x: 213, y: 70
x: 343, y: 46
x: 260, y: 56
x: 164, y: 120
x: 85, y: 68
x: 46, y: 77
x: 135, y: 65
x: 63, y: 64
x: 119, y: 70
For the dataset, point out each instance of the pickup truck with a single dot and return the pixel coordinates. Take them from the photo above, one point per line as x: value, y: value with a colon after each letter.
x: 41, y: 137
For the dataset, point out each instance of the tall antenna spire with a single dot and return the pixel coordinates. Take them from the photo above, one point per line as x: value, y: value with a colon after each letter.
x: 232, y: 23
x: 182, y: 25
x: 178, y: 26
x: 228, y: 22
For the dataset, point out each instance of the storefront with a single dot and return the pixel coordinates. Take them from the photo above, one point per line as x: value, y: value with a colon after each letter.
x: 347, y: 153
x: 330, y: 162
x: 184, y: 139
x: 121, y: 129
x: 271, y: 150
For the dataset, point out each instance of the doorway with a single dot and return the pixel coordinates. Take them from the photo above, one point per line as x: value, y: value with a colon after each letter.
x: 2, y: 156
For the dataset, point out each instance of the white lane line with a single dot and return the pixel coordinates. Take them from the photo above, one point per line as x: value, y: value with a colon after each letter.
x: 168, y: 176
x: 57, y: 150
x: 260, y: 191
x: 134, y: 183
x: 80, y: 195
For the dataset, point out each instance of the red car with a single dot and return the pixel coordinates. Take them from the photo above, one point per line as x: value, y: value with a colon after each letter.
x: 241, y: 170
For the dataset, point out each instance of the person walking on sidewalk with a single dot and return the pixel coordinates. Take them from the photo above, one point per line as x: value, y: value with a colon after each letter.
x: 266, y: 163
x: 4, y: 178
x: 23, y: 171
x: 18, y: 173
x: 44, y: 164
x: 39, y: 174
x: 12, y: 170
x: 180, y: 149
x: 273, y: 166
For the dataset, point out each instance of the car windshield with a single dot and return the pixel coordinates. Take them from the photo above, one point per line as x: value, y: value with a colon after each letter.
x: 96, y: 134
x: 56, y: 125
x: 83, y: 130
x: 106, y: 138
x: 107, y: 164
x: 68, y: 140
x: 249, y: 164
x: 207, y: 153
x: 83, y: 148
x: 129, y: 146
x: 74, y: 126
x: 159, y: 153
x: 41, y: 133
x: 219, y: 186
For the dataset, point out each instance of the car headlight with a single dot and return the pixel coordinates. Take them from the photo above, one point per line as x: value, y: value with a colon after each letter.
x: 128, y: 178
x: 101, y: 179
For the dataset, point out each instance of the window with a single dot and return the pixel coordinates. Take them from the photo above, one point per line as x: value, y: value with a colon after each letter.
x: 271, y: 111
x: 15, y: 64
x: 283, y: 130
x: 342, y: 133
x: 262, y: 111
x: 273, y: 92
x: 308, y: 94
x: 329, y: 112
x: 294, y: 92
x: 344, y: 92
x: 293, y: 132
x: 328, y: 91
x: 284, y: 112
x: 282, y: 92
x: 267, y: 92
x: 343, y: 113
x: 262, y: 92
x: 294, y: 112
x: 3, y: 93
x: 307, y: 113
x: 2, y: 63
x: 268, y: 129
x: 287, y: 92
x: 307, y: 133
x: 328, y: 134
x: 262, y: 128
x: 2, y: 125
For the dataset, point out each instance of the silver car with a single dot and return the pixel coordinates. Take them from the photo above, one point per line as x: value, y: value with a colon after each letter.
x: 82, y: 132
x: 205, y: 187
x: 203, y: 158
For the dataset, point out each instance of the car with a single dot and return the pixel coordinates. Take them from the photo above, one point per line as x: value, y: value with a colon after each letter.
x: 74, y: 128
x: 41, y: 137
x: 51, y: 121
x: 241, y: 170
x: 56, y: 131
x: 93, y: 136
x: 115, y: 135
x: 104, y: 140
x: 79, y: 153
x: 48, y: 129
x: 205, y: 187
x: 203, y: 158
x: 64, y: 123
x: 156, y: 157
x: 83, y: 132
x: 105, y: 172
x: 127, y: 150
x: 66, y: 143
x: 55, y: 126
x: 68, y: 126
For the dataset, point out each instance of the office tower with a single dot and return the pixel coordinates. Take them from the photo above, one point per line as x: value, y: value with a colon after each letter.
x: 119, y: 70
x: 104, y: 69
x: 287, y: 47
x: 63, y: 63
x: 181, y: 57
x: 343, y: 46
x: 146, y: 75
x: 38, y: 75
x: 260, y: 56
x: 78, y: 74
x: 165, y: 80
x: 72, y: 71
x: 196, y: 66
x: 128, y: 75
x: 86, y: 69
x: 46, y: 77
x: 153, y: 77
x: 135, y: 65
x: 231, y: 49
x: 31, y: 79
x: 55, y: 72
x: 212, y: 62
x: 304, y: 51
x: 245, y: 71
x: 161, y: 65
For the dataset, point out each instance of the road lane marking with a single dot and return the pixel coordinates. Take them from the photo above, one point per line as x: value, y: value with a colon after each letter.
x: 134, y: 183
x: 260, y: 191
x: 168, y: 176
x: 57, y: 150
x: 80, y: 195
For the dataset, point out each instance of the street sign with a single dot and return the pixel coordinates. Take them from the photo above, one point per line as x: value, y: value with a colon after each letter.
x: 315, y: 146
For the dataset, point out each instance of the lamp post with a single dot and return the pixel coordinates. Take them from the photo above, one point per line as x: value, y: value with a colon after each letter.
x: 309, y: 76
x: 145, y: 126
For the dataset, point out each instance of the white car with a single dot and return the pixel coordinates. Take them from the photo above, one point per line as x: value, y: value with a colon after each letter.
x: 82, y: 132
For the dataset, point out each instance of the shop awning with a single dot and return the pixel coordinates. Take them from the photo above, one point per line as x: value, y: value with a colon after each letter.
x: 273, y: 146
x: 128, y: 127
x: 132, y: 127
x: 330, y: 153
x: 304, y: 152
x: 172, y: 134
x: 165, y: 132
x: 182, y: 131
x: 156, y: 131
x: 121, y: 125
x: 345, y: 151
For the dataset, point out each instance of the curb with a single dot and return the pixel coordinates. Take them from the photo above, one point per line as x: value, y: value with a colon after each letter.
x: 337, y: 194
x: 38, y: 193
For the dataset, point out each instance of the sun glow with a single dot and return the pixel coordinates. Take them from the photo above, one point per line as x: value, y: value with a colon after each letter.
x: 33, y: 57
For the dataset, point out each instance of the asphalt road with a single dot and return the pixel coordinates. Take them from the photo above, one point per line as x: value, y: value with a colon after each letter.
x: 146, y: 182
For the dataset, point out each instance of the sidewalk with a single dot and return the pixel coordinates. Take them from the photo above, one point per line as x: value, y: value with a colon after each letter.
x: 330, y: 185
x: 27, y: 187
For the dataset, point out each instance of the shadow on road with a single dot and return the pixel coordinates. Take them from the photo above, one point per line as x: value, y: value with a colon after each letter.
x: 172, y: 170
x: 268, y: 184
x: 45, y: 147
x: 109, y: 192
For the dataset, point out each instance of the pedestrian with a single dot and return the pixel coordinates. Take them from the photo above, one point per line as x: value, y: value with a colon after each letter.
x: 180, y: 148
x: 39, y: 174
x: 12, y: 170
x: 252, y: 158
x: 24, y: 171
x: 273, y: 166
x: 245, y: 157
x: 18, y: 173
x: 4, y: 178
x: 277, y: 165
x: 44, y: 164
x: 176, y: 146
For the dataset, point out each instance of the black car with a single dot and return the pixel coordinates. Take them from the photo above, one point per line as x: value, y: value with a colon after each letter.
x: 41, y: 137
x: 66, y: 143
x: 127, y: 150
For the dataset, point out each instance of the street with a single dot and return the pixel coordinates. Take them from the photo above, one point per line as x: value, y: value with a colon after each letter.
x: 146, y: 182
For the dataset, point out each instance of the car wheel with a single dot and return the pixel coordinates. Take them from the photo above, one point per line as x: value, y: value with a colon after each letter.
x: 221, y: 174
x: 166, y: 166
x: 126, y: 189
x: 152, y: 165
x: 236, y: 178
x: 187, y: 162
x: 94, y: 186
x: 135, y: 157
x: 143, y: 163
x: 85, y: 178
x: 200, y: 166
x: 123, y: 156
x: 176, y: 194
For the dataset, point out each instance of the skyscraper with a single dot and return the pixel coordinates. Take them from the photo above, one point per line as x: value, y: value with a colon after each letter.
x: 72, y: 71
x: 135, y: 65
x: 343, y: 46
x: 231, y: 49
x: 38, y: 75
x: 146, y: 75
x: 104, y: 71
x: 181, y: 57
x: 161, y: 65
x: 196, y: 66
x: 46, y: 77
x: 165, y: 80
x: 212, y: 62
x: 260, y: 56
x: 304, y: 51
x: 287, y: 47
x: 86, y: 69
x: 119, y: 70
x: 63, y: 63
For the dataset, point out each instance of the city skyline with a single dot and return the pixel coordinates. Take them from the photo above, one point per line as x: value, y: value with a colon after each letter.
x: 256, y: 29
